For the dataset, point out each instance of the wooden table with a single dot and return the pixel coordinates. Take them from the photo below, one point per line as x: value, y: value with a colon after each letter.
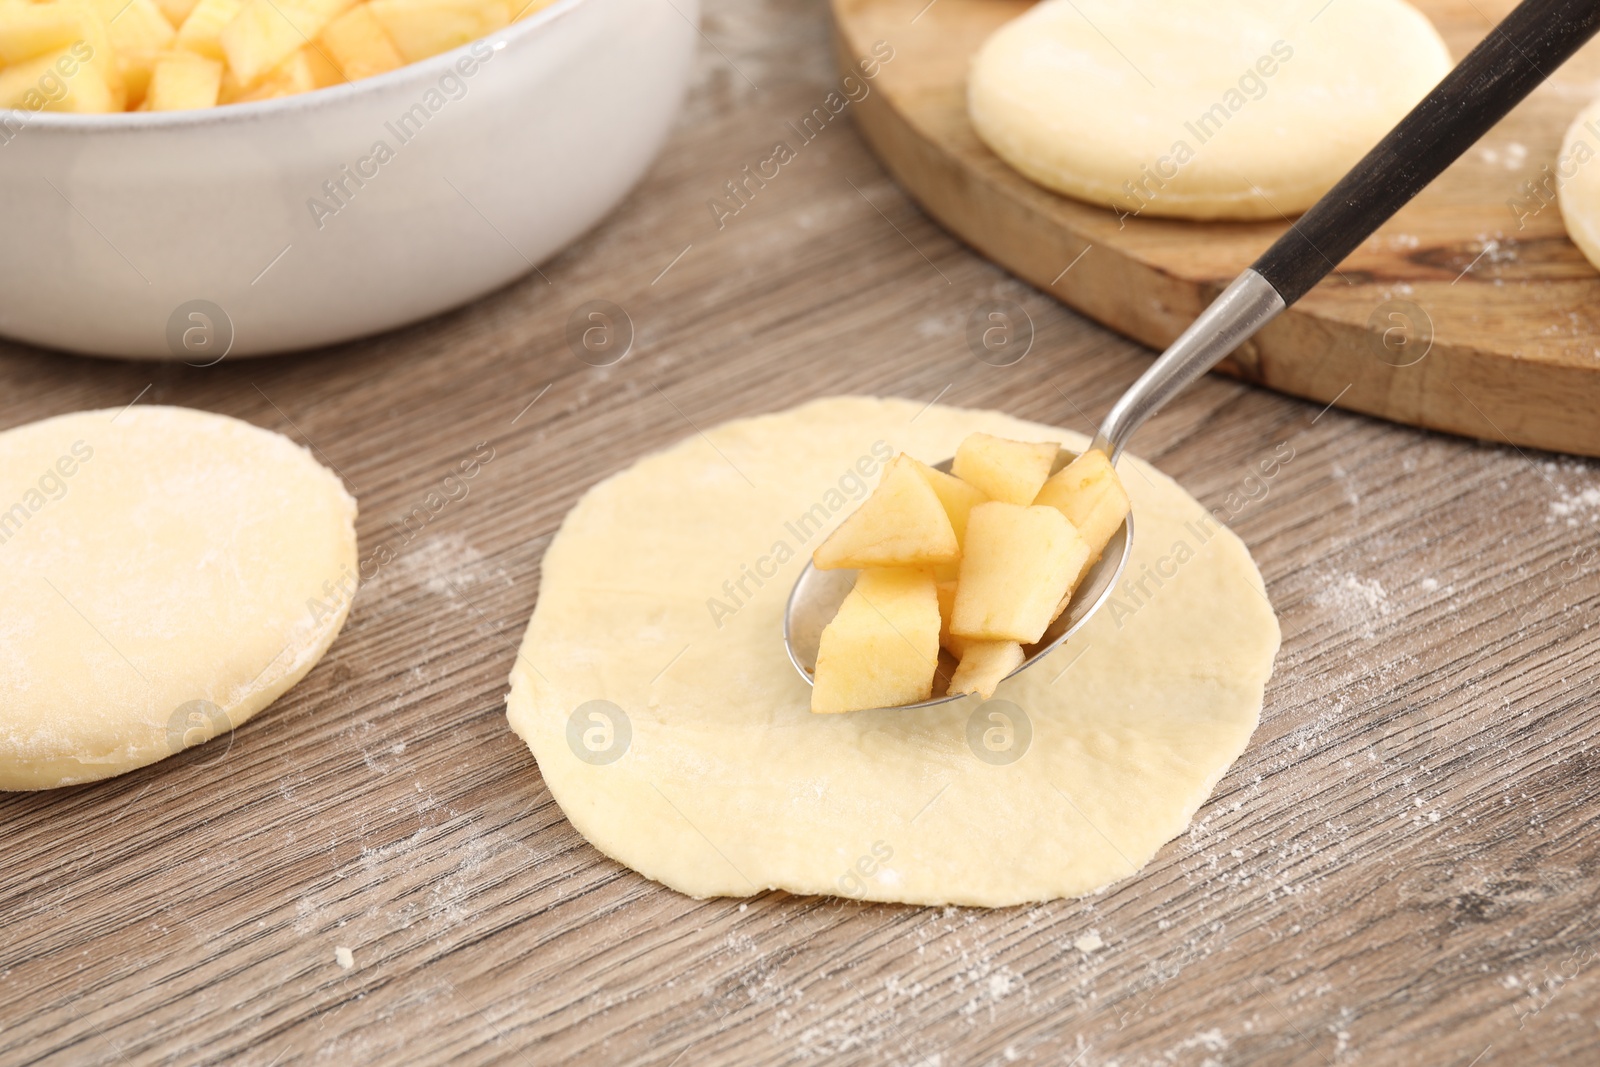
x: 1401, y: 869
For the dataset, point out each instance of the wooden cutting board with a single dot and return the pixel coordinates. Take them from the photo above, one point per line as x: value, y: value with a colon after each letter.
x: 1492, y: 320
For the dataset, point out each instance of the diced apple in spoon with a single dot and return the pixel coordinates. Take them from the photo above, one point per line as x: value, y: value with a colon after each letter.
x: 958, y: 499
x: 984, y: 665
x: 902, y: 524
x: 946, y: 592
x: 882, y: 648
x: 999, y: 546
x: 1001, y: 469
x: 1019, y: 563
x: 1089, y: 493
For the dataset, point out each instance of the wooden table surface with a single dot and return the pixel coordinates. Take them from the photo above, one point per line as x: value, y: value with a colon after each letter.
x: 1401, y: 869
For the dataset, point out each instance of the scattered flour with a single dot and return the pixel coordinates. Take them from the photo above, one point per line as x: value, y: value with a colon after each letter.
x: 1574, y: 503
x: 344, y: 957
x: 1356, y: 601
x: 1511, y: 156
x: 442, y: 564
x: 1089, y: 942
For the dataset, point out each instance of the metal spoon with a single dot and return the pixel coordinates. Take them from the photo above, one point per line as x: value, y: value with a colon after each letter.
x: 1516, y: 56
x: 1247, y: 304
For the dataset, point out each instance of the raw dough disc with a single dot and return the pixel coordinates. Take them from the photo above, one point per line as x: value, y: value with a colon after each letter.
x: 717, y: 780
x: 1578, y: 182
x: 1084, y: 96
x: 163, y: 574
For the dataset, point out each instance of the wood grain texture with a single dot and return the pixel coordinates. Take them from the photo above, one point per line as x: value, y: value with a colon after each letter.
x: 1401, y: 869
x: 1508, y: 301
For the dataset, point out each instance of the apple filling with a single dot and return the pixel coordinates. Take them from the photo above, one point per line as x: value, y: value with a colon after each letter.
x: 978, y: 562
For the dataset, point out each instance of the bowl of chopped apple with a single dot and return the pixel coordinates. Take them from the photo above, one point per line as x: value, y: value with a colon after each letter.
x: 198, y: 179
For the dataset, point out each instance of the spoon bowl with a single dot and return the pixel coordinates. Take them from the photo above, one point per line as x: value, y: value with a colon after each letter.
x: 817, y: 594
x: 1241, y: 310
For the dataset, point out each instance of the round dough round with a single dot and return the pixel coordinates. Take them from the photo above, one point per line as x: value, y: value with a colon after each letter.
x: 167, y: 573
x: 1204, y: 109
x: 675, y: 734
x: 1578, y: 183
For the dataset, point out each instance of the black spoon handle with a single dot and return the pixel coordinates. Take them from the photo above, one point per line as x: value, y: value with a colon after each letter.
x: 1518, y: 54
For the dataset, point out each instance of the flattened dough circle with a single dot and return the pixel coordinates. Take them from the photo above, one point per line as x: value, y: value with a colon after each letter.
x: 1086, y: 96
x: 720, y: 782
x: 163, y: 574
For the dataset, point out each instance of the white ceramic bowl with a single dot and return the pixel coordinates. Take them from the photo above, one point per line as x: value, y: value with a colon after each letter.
x: 190, y: 234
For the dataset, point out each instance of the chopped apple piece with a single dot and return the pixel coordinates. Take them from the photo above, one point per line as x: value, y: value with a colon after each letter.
x: 294, y: 75
x: 135, y: 25
x: 176, y: 10
x: 958, y: 499
x: 104, y: 59
x: 324, y: 71
x: 37, y: 84
x: 1011, y: 471
x: 423, y: 28
x: 1018, y: 564
x: 946, y: 592
x: 261, y: 36
x: 73, y: 36
x: 201, y: 32
x: 231, y: 88
x: 1089, y: 493
x: 267, y: 32
x: 359, y: 45
x: 902, y: 524
x: 135, y: 71
x: 183, y: 81
x: 139, y: 33
x: 882, y: 648
x: 984, y: 665
x: 31, y: 30
x: 957, y: 496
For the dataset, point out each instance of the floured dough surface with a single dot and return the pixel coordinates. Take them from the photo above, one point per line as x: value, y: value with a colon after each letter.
x: 166, y: 573
x: 1233, y: 109
x: 675, y: 734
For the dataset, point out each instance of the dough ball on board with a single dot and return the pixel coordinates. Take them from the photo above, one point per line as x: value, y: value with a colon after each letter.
x: 166, y: 574
x: 1201, y: 109
x: 654, y: 690
x: 1578, y: 182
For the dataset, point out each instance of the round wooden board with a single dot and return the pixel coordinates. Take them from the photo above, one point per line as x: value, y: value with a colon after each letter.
x: 1513, y: 310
